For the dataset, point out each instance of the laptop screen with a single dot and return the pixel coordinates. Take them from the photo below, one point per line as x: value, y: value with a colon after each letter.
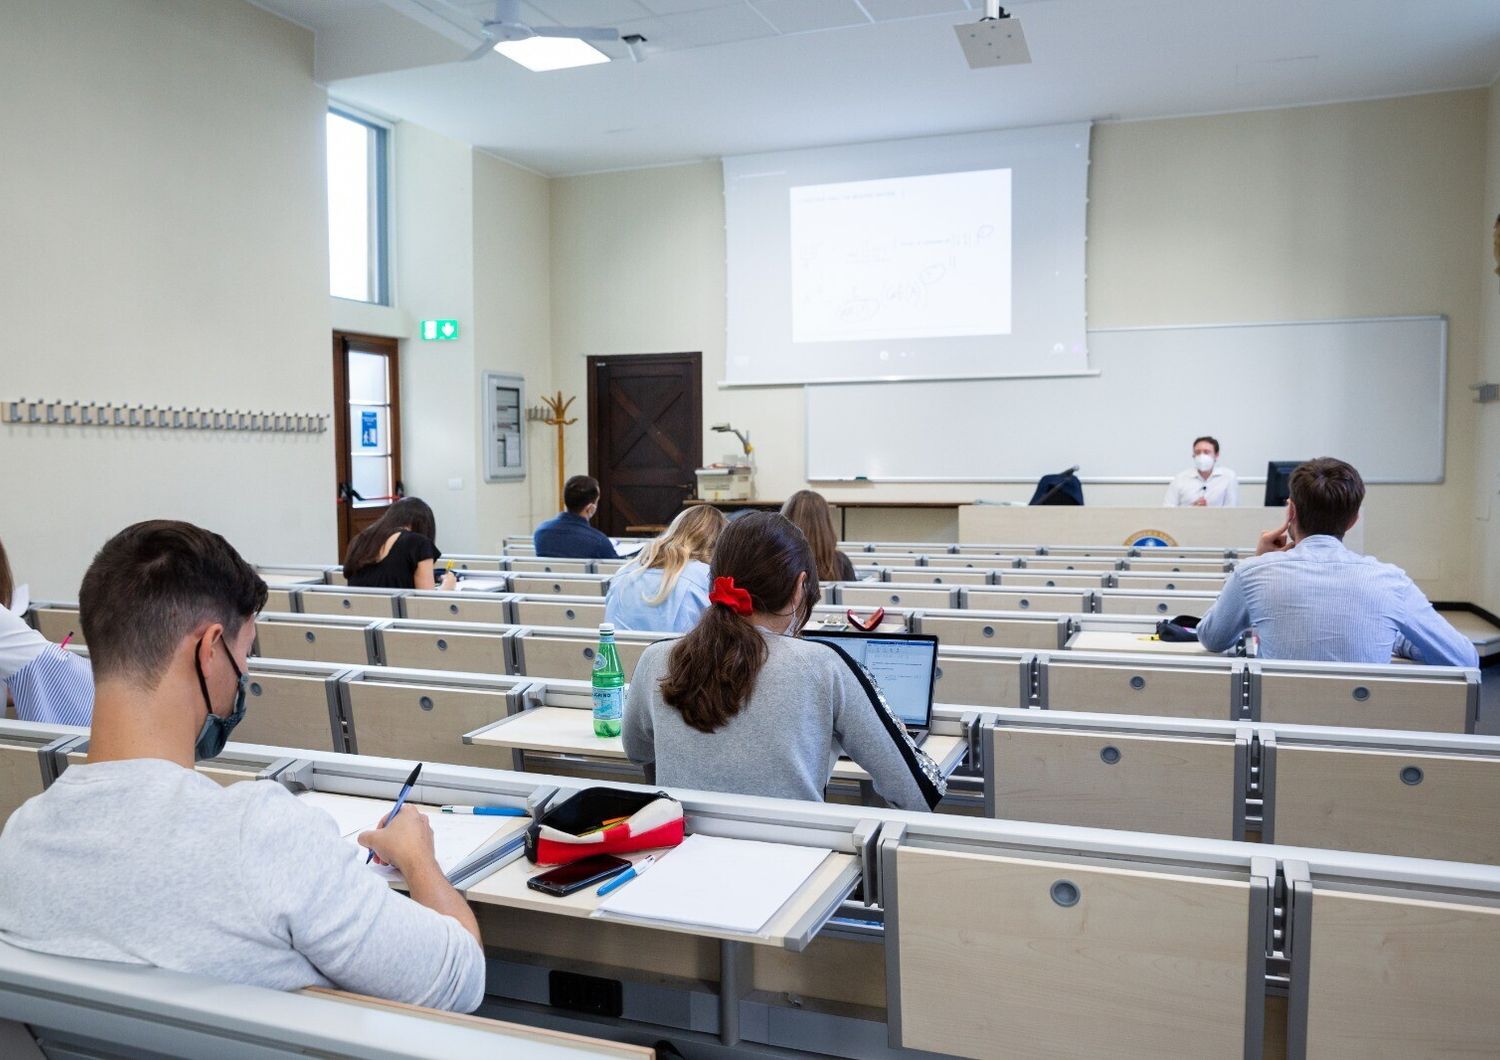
x: 904, y: 665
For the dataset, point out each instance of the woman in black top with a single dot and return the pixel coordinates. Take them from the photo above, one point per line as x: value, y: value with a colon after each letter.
x: 397, y: 551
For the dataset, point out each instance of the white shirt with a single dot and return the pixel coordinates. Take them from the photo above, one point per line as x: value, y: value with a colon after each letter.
x: 1221, y: 489
x: 145, y: 862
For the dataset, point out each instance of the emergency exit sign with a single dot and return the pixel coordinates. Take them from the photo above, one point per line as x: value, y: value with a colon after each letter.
x: 439, y: 330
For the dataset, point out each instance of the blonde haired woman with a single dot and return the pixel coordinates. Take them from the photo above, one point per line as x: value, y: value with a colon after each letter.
x: 810, y: 513
x: 666, y: 588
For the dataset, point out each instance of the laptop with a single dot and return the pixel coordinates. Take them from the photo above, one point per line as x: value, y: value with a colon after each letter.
x: 904, y: 665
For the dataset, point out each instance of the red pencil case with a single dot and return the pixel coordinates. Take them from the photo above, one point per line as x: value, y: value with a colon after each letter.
x: 577, y: 827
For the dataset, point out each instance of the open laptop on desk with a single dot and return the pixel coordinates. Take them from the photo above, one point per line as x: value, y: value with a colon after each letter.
x: 904, y: 666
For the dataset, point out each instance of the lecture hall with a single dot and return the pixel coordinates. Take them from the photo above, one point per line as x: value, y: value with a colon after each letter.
x: 749, y: 528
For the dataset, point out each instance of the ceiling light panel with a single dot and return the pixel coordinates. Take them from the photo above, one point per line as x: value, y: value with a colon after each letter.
x: 805, y: 16
x: 541, y: 54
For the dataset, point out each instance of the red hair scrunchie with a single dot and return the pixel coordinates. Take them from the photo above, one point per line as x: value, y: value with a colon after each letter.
x: 731, y: 596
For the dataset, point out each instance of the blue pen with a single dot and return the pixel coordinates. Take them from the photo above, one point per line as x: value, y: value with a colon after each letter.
x: 625, y: 877
x: 400, y: 801
x: 487, y: 811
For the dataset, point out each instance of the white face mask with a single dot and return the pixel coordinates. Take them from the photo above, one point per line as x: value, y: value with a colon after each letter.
x: 1203, y: 461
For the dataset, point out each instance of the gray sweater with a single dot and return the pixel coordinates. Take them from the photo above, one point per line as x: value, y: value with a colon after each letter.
x: 807, y: 703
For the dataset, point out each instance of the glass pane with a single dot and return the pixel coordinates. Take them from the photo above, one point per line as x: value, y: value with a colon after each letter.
x: 367, y: 379
x: 372, y: 479
x: 349, y: 242
x: 368, y: 426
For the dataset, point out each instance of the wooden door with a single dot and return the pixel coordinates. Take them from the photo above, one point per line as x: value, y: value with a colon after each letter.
x: 367, y: 429
x: 645, y: 437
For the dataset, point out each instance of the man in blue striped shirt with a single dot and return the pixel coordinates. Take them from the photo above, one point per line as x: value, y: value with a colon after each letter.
x: 1308, y: 597
x: 47, y: 683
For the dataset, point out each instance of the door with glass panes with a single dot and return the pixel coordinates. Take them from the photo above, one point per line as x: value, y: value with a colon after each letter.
x: 367, y: 417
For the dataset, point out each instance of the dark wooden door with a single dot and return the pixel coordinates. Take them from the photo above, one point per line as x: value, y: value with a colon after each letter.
x: 367, y: 430
x: 645, y: 436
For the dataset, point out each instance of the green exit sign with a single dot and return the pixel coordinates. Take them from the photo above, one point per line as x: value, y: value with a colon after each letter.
x: 439, y: 330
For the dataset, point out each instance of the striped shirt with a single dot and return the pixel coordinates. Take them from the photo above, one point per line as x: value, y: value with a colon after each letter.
x: 1320, y: 602
x: 47, y: 683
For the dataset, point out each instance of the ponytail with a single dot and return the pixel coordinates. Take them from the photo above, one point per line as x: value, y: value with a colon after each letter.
x: 712, y: 669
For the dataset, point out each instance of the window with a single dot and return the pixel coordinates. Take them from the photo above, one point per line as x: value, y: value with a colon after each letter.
x: 357, y: 258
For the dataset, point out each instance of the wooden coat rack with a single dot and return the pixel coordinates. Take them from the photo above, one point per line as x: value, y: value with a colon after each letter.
x: 557, y: 409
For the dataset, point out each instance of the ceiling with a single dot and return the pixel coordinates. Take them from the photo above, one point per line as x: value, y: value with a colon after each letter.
x: 725, y: 77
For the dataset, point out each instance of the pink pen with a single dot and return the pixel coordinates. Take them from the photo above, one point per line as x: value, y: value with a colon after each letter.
x: 65, y: 640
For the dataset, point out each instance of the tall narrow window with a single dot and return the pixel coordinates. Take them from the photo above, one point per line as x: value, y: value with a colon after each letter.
x: 357, y: 260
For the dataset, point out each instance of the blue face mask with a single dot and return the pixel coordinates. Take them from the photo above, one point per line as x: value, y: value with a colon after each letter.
x: 216, y: 730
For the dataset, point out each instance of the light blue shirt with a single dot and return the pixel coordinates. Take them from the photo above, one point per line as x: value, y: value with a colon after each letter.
x: 1321, y: 602
x: 629, y: 590
x: 48, y: 684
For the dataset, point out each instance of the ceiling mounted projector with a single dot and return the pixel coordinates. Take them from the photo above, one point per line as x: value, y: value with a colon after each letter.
x: 995, y: 40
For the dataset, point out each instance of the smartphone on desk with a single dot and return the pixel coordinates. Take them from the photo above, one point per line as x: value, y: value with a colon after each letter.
x: 565, y: 879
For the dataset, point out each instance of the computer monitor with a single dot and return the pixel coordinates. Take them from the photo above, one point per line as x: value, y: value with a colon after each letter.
x: 1278, y: 482
x: 904, y: 665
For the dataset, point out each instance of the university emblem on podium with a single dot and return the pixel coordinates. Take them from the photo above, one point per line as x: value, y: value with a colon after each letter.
x: 1150, y: 539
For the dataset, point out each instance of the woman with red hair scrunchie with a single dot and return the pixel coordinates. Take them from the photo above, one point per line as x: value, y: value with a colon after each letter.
x: 742, y: 704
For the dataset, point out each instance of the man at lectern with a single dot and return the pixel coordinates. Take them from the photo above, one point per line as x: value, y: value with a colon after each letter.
x: 1205, y: 484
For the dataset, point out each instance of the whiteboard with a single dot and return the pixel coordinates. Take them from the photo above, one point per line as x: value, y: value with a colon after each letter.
x: 1372, y: 392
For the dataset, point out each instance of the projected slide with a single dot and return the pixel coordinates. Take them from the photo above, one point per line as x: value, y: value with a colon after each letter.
x: 902, y: 258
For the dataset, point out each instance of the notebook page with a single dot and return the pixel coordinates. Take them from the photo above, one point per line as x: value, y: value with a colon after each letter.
x: 454, y: 836
x: 727, y: 884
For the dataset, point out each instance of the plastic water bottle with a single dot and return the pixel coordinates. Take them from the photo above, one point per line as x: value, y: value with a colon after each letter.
x: 609, y: 685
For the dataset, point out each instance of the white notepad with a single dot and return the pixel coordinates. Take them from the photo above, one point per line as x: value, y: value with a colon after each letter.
x: 455, y: 836
x: 480, y: 585
x: 727, y: 884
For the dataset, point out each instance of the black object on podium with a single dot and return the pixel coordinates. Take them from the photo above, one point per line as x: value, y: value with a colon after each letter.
x: 1059, y: 489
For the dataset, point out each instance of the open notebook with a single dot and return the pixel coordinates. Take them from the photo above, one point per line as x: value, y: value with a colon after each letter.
x: 463, y: 843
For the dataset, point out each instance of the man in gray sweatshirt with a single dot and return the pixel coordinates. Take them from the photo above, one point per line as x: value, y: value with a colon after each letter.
x: 135, y: 857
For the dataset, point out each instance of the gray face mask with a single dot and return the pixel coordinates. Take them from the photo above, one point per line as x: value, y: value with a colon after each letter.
x: 215, y: 732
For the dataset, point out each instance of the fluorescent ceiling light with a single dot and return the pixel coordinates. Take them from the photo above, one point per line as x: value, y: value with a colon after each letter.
x: 551, y: 53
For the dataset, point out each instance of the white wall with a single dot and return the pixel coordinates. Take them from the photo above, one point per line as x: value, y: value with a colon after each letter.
x: 513, y: 333
x: 433, y: 221
x: 1348, y: 210
x: 470, y: 234
x: 164, y: 241
x: 1487, y: 464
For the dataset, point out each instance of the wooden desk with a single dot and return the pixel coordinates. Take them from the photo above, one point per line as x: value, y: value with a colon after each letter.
x: 1132, y: 643
x: 569, y: 731
x: 518, y: 1036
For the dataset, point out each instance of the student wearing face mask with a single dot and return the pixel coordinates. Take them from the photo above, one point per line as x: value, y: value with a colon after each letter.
x: 1205, y: 484
x: 740, y: 703
x: 134, y: 857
